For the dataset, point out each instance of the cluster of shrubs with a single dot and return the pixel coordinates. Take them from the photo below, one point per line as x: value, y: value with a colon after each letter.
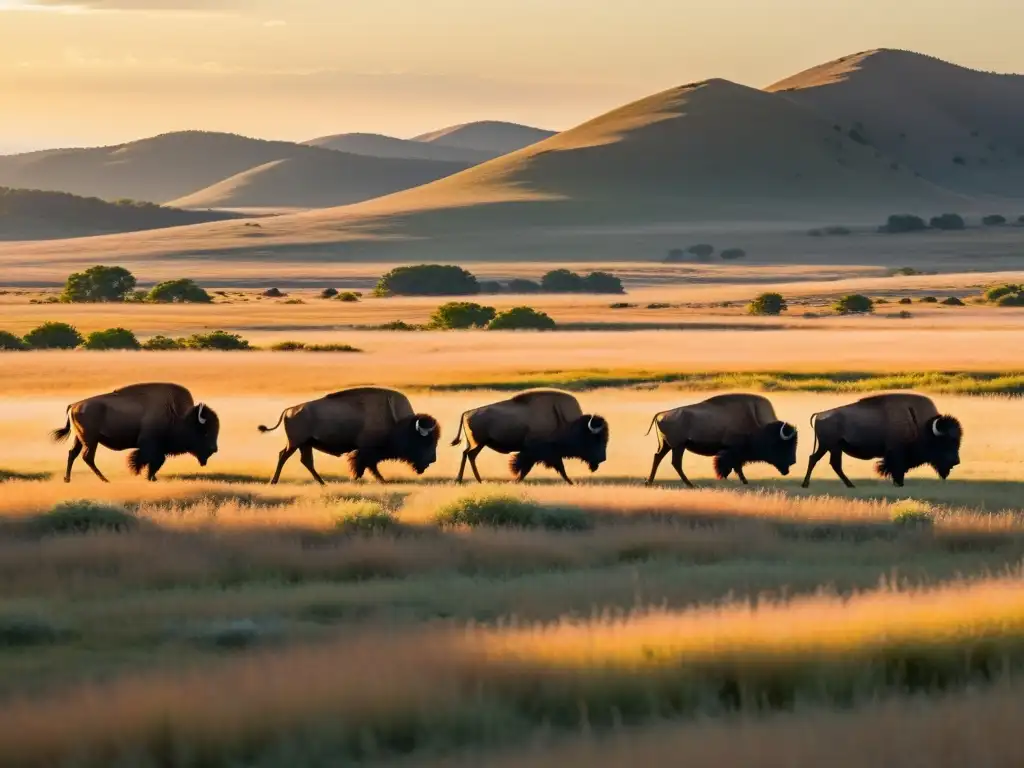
x: 64, y: 336
x: 117, y: 284
x: 447, y: 280
x: 833, y: 231
x: 703, y: 252
x: 905, y: 222
x: 332, y: 293
x: 468, y: 314
x: 1005, y: 295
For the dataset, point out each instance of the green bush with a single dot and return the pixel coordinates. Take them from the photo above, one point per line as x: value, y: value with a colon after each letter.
x: 301, y: 346
x: 768, y: 304
x: 366, y: 518
x: 993, y: 220
x: 562, y: 281
x: 11, y: 343
x: 731, y: 254
x: 462, y: 314
x: 996, y: 292
x: 1011, y: 300
x: 490, y: 286
x: 621, y: 305
x: 220, y: 340
x: 274, y: 293
x: 428, y: 280
x: 180, y: 291
x: 906, y: 300
x: 912, y: 513
x: 903, y: 222
x: 953, y: 301
x: 98, y: 283
x: 520, y: 285
x: 854, y: 303
x: 948, y: 221
x: 348, y: 296
x: 161, y: 343
x: 397, y: 325
x: 521, y: 318
x: 602, y: 282
x: 701, y: 250
x: 112, y: 338
x: 53, y: 336
x: 82, y: 516
x: 928, y: 300
x: 507, y: 511
x: 328, y: 293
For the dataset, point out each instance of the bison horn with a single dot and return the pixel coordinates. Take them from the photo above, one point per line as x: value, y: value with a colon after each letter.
x: 592, y: 428
x: 783, y: 434
x: 935, y: 428
x: 421, y: 430
x: 201, y: 419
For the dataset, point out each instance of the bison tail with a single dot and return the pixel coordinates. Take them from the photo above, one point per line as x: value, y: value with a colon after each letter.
x: 271, y: 429
x: 458, y: 434
x: 60, y: 435
x: 651, y: 426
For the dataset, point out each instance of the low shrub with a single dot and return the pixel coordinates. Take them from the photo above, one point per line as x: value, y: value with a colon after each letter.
x: 161, y: 343
x: 328, y: 293
x: 520, y: 285
x: 348, y: 296
x: 1011, y: 300
x: 397, y: 325
x: 301, y: 346
x: 948, y: 221
x: 218, y: 340
x: 928, y: 300
x: 903, y: 222
x: 462, y: 314
x: 11, y: 343
x: 621, y: 305
x: 658, y: 305
x: 904, y: 315
x: 906, y: 300
x: 508, y: 511
x: 832, y: 231
x: 996, y: 292
x: 731, y: 254
x: 111, y: 338
x: 768, y: 304
x: 294, y: 301
x: 953, y: 301
x: 993, y: 220
x: 881, y: 301
x: 366, y: 518
x: 521, y: 318
x: 912, y: 513
x: 854, y: 303
x: 675, y: 255
x: 701, y: 250
x: 273, y: 293
x: 905, y: 271
x: 490, y: 286
x: 602, y: 282
x: 82, y: 516
x: 182, y: 291
x: 53, y: 336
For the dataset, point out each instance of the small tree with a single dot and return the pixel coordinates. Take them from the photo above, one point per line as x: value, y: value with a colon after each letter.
x: 948, y: 221
x: 53, y: 336
x: 161, y: 343
x: 490, y: 286
x: 854, y: 303
x: 730, y: 254
x: 953, y: 301
x: 768, y: 304
x: 328, y: 293
x: 98, y: 283
x: 701, y: 250
x: 428, y: 280
x: 904, y: 222
x: 562, y: 281
x: 675, y: 255
x: 462, y: 314
x: 348, y: 296
x: 112, y: 338
x: 520, y: 285
x: 10, y: 343
x: 521, y: 318
x: 221, y: 340
x: 996, y: 292
x: 602, y: 282
x: 994, y: 220
x: 180, y: 291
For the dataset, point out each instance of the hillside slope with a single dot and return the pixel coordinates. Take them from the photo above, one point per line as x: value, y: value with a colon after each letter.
x: 32, y: 214
x: 173, y: 165
x: 492, y: 136
x: 317, y: 180
x: 961, y: 128
x: 378, y: 145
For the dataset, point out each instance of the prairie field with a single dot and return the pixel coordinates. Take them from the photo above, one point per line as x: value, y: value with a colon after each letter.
x: 212, y: 619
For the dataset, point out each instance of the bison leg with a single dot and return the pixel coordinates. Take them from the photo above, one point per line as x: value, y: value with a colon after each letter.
x: 154, y: 466
x: 376, y: 473
x: 740, y: 475
x: 470, y: 455
x: 282, y: 457
x: 559, y: 466
x: 817, y: 456
x: 677, y: 465
x: 306, y: 457
x: 89, y: 457
x: 76, y: 449
x: 837, y: 464
x: 660, y: 454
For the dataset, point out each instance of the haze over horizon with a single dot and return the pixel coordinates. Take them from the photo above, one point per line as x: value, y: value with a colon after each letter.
x: 86, y: 72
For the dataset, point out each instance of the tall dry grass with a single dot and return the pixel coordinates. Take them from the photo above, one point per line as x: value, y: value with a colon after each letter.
x: 377, y: 693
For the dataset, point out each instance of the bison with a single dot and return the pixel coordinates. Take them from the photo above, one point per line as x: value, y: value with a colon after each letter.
x: 736, y: 429
x: 368, y: 423
x: 542, y: 426
x: 157, y: 420
x: 904, y: 431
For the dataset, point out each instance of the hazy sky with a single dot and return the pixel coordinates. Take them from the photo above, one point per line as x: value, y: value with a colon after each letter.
x: 102, y: 71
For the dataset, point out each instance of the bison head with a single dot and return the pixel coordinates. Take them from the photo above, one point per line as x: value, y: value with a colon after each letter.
x: 775, y: 444
x: 941, y: 437
x: 415, y: 441
x: 203, y: 428
x: 588, y: 440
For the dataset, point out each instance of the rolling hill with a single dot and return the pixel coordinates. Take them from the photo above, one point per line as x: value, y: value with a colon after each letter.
x: 173, y: 165
x: 958, y: 127
x: 378, y: 145
x: 316, y: 180
x: 32, y: 214
x: 491, y: 136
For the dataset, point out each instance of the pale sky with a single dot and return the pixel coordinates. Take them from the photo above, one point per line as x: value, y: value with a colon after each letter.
x: 76, y: 72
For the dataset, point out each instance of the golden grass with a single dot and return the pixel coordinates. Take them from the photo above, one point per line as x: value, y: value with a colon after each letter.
x: 369, y: 694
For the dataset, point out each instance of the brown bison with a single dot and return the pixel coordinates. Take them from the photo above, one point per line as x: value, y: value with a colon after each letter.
x: 157, y: 420
x: 736, y: 429
x: 370, y: 424
x: 903, y: 430
x: 542, y: 426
